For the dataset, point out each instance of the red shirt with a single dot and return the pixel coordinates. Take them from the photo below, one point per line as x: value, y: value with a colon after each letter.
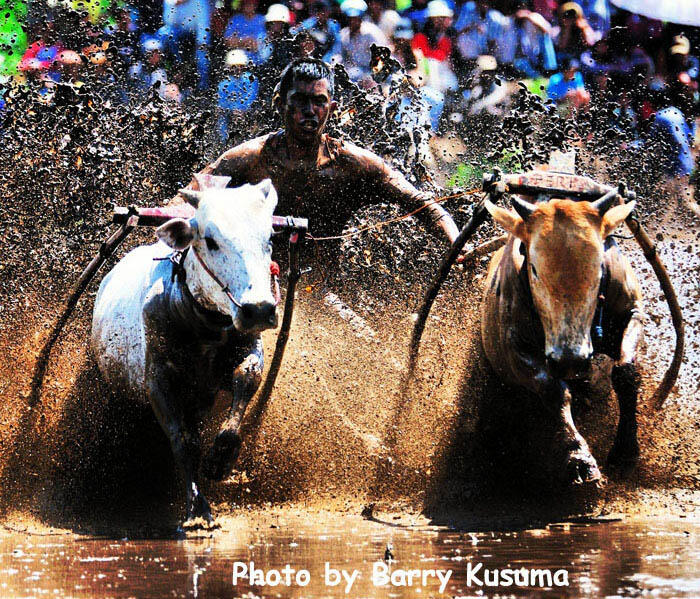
x: 440, y: 52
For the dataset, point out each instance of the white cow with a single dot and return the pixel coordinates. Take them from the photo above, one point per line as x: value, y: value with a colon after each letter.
x: 175, y: 337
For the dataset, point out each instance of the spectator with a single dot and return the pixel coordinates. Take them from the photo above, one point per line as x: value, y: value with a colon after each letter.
x: 528, y: 45
x: 237, y: 91
x: 574, y: 34
x: 567, y: 88
x: 246, y: 30
x: 324, y: 31
x: 68, y: 66
x: 144, y: 76
x: 276, y: 52
x: 417, y: 13
x: 42, y: 52
x: 597, y: 13
x: 356, y: 40
x: 384, y: 18
x: 436, y: 46
x: 675, y: 133
x: 188, y: 19
x: 489, y: 94
x: 481, y: 30
x: 680, y: 59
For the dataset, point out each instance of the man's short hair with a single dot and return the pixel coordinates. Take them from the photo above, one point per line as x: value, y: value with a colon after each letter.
x: 304, y: 69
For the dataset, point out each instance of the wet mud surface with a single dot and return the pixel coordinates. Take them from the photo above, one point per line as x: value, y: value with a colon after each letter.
x: 602, y: 559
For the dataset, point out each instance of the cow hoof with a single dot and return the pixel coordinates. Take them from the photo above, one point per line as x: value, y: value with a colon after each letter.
x: 199, y: 514
x: 581, y: 468
x: 223, y: 455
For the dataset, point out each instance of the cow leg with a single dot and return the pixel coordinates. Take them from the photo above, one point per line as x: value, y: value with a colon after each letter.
x: 227, y: 443
x: 182, y: 434
x: 626, y: 381
x: 574, y: 463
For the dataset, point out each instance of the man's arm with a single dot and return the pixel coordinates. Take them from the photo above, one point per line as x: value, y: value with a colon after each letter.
x: 392, y: 185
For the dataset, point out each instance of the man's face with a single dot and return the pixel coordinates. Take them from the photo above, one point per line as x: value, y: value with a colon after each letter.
x: 376, y: 7
x: 322, y: 14
x: 249, y: 6
x: 275, y: 29
x: 306, y: 109
x: 354, y: 23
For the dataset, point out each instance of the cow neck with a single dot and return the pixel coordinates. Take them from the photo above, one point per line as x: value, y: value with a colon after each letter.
x: 211, y: 319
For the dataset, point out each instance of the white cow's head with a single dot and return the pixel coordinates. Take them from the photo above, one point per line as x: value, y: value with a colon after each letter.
x: 230, y: 232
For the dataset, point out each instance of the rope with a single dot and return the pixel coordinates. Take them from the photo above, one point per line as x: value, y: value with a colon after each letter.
x: 396, y: 218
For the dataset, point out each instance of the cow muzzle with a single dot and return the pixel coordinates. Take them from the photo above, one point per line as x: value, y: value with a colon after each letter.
x: 257, y: 316
x: 567, y: 364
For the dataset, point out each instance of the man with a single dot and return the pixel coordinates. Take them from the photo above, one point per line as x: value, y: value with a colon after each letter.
x: 383, y: 17
x: 246, y: 30
x: 237, y: 91
x: 183, y: 19
x: 356, y: 40
x: 567, y: 87
x: 316, y: 176
x: 324, y: 31
x: 481, y: 31
x: 528, y: 46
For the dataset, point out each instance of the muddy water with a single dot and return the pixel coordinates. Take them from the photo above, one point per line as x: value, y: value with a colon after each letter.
x: 611, y: 559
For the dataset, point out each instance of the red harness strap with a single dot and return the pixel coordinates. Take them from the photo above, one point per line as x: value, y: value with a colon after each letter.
x: 274, y: 273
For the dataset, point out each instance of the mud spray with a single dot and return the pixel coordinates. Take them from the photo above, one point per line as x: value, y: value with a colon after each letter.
x: 344, y: 428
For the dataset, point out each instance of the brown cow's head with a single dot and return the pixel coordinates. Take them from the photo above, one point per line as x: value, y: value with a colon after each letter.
x: 563, y: 240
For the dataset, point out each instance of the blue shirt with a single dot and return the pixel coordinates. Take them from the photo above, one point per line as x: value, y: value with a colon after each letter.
x: 474, y: 42
x: 240, y: 26
x: 558, y: 87
x: 671, y: 126
x: 238, y: 92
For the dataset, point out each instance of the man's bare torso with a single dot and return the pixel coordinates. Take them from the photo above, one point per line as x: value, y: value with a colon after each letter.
x: 343, y: 179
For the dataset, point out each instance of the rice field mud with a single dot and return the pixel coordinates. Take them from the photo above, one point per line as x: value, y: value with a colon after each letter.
x: 348, y: 437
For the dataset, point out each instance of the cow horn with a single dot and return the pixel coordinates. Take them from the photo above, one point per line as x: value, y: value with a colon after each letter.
x: 191, y: 196
x: 604, y: 204
x: 523, y: 208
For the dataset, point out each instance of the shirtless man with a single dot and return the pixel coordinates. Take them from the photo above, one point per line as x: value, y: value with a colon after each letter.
x: 316, y: 176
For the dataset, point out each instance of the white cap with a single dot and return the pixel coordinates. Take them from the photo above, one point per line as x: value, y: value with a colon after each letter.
x: 236, y: 58
x: 354, y: 8
x: 438, y: 8
x: 486, y: 62
x: 278, y: 12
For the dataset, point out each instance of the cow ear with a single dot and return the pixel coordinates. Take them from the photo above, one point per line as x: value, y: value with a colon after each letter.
x: 269, y: 194
x: 508, y: 219
x: 177, y: 233
x: 614, y: 216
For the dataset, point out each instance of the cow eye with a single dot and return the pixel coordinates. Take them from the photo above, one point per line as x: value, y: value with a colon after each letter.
x: 534, y: 270
x: 211, y: 244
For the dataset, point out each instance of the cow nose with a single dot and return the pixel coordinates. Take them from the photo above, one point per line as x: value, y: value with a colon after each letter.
x: 568, y: 363
x: 259, y: 314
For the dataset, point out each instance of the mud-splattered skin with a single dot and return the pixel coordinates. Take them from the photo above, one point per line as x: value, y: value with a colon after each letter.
x: 318, y: 177
x: 539, y: 344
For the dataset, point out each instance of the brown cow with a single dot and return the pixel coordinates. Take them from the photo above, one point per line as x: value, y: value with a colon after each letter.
x: 542, y: 293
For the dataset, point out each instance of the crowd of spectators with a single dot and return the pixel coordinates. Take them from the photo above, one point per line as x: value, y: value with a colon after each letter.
x: 459, y: 54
